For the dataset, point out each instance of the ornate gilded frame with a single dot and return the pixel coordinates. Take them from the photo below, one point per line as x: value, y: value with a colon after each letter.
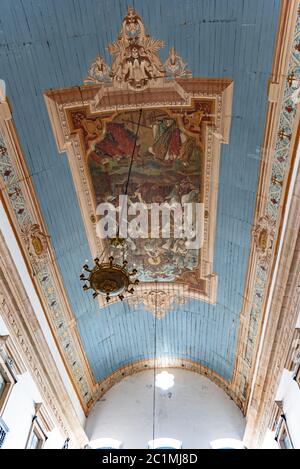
x: 177, y: 94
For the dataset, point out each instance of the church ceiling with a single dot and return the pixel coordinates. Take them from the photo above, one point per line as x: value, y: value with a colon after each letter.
x: 75, y: 107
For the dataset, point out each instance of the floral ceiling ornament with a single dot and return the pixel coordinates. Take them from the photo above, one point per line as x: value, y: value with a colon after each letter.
x: 175, y: 66
x: 98, y: 72
x: 159, y: 303
x: 264, y: 235
x: 135, y: 62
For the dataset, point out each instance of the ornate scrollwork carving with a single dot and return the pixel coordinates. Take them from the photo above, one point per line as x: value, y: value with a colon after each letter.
x: 159, y: 303
x: 36, y: 244
x: 135, y: 61
x: 264, y: 235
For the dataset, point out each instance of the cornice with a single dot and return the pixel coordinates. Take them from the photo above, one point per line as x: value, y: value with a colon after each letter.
x: 27, y: 335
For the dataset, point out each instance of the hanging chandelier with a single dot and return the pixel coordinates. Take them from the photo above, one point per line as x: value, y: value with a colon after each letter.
x: 109, y: 279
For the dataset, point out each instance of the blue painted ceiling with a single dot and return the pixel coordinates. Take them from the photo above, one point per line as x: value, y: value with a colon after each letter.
x: 50, y: 44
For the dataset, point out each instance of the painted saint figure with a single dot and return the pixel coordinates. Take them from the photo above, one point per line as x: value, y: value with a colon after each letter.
x: 167, y: 140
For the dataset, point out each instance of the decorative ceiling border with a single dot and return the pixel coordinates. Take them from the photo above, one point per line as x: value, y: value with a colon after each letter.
x: 21, y: 205
x: 28, y: 338
x: 279, y: 347
x: 166, y: 362
x: 276, y: 168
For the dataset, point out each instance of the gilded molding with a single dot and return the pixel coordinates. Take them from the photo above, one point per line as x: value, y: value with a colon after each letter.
x: 279, y: 345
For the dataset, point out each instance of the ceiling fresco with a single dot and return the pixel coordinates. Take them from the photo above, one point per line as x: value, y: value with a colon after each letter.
x: 168, y: 146
x: 163, y: 149
x: 75, y: 105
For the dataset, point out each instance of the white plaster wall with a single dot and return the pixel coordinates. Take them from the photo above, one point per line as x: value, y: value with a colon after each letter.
x: 291, y: 408
x: 289, y: 393
x: 269, y: 441
x: 19, y: 411
x: 196, y: 412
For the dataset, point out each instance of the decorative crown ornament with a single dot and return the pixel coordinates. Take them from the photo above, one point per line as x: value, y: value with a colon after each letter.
x: 109, y: 279
x: 135, y: 61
